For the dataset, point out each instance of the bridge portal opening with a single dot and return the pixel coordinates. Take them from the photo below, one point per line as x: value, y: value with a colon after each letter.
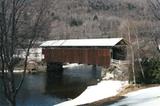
x: 119, y: 51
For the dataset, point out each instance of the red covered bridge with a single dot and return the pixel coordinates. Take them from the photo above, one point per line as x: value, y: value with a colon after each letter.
x: 84, y: 51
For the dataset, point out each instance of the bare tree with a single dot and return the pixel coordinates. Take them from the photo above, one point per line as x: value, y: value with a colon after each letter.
x: 155, y: 7
x: 126, y: 29
x: 18, y: 32
x: 131, y: 29
x: 132, y: 53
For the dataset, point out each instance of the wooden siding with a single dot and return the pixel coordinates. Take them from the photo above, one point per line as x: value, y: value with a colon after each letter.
x: 95, y: 56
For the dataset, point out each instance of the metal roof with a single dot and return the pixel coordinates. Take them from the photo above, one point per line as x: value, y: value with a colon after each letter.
x: 100, y: 42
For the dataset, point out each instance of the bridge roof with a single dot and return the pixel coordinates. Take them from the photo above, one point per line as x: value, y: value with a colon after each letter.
x: 99, y: 42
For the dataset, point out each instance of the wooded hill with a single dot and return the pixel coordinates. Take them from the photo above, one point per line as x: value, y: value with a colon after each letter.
x: 100, y: 18
x: 105, y: 18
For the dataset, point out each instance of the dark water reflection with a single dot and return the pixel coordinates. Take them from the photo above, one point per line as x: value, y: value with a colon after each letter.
x: 38, y: 90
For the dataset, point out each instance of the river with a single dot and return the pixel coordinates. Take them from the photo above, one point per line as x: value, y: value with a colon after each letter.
x: 38, y: 90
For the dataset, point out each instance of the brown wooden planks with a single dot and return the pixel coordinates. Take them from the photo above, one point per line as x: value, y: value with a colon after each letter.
x: 96, y: 56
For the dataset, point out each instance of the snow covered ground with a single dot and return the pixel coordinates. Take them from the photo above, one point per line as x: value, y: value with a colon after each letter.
x: 144, y: 97
x: 97, y: 92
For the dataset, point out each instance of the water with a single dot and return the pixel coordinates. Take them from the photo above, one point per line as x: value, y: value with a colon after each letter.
x: 38, y: 90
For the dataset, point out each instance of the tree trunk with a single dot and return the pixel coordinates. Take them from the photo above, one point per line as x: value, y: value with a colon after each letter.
x: 12, y: 102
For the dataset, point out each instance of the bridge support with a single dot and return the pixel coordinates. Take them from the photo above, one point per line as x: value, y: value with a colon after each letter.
x: 94, y: 67
x: 54, y: 70
x: 94, y: 71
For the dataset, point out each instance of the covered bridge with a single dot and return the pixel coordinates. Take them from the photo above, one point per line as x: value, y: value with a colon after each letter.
x: 98, y: 51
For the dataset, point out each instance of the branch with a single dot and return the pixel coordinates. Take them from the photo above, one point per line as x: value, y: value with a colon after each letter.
x: 35, y: 35
x: 25, y: 67
x: 154, y: 7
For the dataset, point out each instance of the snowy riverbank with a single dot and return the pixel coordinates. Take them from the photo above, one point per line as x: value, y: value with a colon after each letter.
x: 143, y: 97
x: 97, y: 92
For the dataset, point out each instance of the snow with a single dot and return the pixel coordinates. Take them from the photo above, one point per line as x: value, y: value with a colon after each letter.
x: 97, y: 92
x: 105, y: 89
x: 18, y: 71
x: 144, y: 97
x: 71, y: 65
x: 109, y: 42
x: 15, y: 71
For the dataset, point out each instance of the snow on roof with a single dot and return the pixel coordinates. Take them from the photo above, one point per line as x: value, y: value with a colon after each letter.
x: 82, y: 42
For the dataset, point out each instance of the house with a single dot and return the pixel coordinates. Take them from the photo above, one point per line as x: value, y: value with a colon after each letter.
x: 35, y: 54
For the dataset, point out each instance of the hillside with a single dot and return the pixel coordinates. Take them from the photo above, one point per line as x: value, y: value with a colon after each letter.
x: 95, y: 18
x: 104, y: 18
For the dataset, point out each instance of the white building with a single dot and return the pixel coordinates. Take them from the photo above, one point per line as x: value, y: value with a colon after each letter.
x: 35, y: 54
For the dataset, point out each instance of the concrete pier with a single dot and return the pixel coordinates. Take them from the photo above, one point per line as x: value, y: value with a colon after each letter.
x: 54, y: 70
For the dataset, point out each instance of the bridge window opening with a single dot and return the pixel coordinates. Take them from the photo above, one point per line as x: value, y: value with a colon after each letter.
x: 119, y: 53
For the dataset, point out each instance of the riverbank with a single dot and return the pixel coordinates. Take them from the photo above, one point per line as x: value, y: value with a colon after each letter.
x: 42, y: 68
x: 103, y: 89
x: 105, y: 93
x: 121, y: 95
